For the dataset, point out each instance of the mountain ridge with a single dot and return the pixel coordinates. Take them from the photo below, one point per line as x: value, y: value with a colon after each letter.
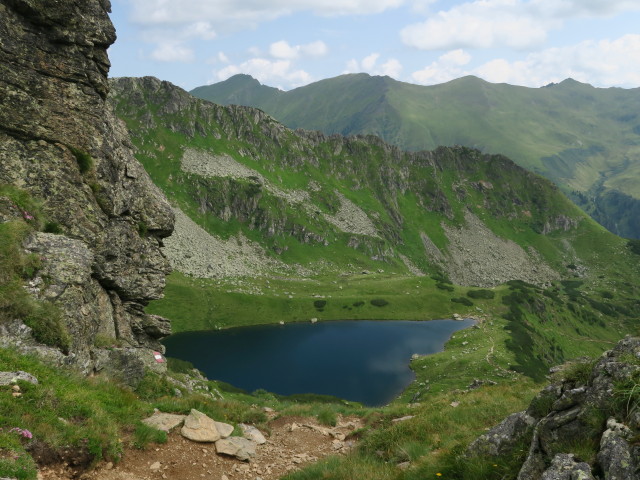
x: 582, y: 137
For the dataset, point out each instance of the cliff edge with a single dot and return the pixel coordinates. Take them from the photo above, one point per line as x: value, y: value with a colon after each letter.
x: 61, y: 142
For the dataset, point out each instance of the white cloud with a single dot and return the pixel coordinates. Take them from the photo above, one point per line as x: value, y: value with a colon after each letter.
x: 223, y: 57
x: 283, y: 50
x: 582, y: 8
x: 516, y: 24
x: 447, y: 67
x: 243, y: 12
x: 172, y: 52
x: 602, y: 63
x: 201, y: 30
x: 480, y: 24
x: 267, y: 71
x: 391, y: 68
x: 369, y: 61
x: 369, y: 64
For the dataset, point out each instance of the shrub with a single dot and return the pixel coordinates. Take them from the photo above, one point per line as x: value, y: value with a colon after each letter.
x: 358, y: 303
x: 177, y: 365
x: 143, y: 229
x: 481, y: 293
x: 48, y: 327
x: 444, y: 286
x: 579, y: 371
x: 634, y: 246
x: 319, y: 304
x: 379, y: 302
x: 326, y: 416
x: 85, y: 162
x: 463, y: 300
x: 52, y: 227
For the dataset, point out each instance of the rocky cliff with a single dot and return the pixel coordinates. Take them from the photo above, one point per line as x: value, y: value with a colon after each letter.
x: 584, y: 426
x: 60, y: 141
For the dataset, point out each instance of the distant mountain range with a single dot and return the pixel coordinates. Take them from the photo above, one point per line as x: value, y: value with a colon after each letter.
x: 585, y: 139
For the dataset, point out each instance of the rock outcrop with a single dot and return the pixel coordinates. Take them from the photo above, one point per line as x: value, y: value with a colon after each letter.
x: 585, y: 426
x: 61, y: 142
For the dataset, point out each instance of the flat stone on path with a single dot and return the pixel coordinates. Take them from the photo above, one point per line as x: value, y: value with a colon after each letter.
x: 164, y: 421
x: 224, y: 429
x: 200, y: 428
x: 252, y: 433
x: 241, y: 448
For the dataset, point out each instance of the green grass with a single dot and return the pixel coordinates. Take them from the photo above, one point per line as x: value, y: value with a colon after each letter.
x: 200, y: 304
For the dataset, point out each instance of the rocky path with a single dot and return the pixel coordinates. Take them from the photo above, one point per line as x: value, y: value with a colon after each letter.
x: 292, y: 443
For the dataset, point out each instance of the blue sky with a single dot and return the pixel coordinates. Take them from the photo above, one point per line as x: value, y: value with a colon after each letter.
x: 290, y: 43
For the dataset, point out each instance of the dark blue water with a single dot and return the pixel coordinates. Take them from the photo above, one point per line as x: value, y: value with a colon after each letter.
x: 362, y: 361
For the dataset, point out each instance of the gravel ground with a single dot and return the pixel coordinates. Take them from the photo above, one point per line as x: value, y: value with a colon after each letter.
x: 193, y: 251
x: 478, y: 257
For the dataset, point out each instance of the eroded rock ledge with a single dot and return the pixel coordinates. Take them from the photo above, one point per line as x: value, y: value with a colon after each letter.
x: 60, y: 141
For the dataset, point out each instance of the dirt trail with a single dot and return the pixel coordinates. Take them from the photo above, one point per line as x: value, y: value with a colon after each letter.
x: 293, y: 443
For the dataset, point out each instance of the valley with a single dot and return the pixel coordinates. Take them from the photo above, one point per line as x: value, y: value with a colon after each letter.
x: 131, y: 210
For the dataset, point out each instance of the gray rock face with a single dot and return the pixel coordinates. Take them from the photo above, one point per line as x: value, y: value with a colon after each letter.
x: 566, y: 414
x: 617, y: 458
x: 564, y: 467
x: 60, y: 141
x: 504, y: 437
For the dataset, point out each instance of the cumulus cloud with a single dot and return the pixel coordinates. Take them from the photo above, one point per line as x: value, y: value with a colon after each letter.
x: 480, y: 24
x: 581, y: 8
x: 172, y: 52
x: 516, y: 24
x: 369, y: 64
x: 283, y: 50
x: 603, y: 63
x: 226, y: 12
x: 447, y: 67
x: 267, y: 71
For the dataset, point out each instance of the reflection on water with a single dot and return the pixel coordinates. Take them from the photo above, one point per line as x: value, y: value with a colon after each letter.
x: 363, y: 361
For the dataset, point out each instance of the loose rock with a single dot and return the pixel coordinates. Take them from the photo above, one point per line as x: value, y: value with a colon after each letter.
x: 200, y: 428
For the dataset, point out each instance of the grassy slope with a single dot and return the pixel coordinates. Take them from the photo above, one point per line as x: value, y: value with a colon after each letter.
x: 544, y: 326
x: 583, y: 138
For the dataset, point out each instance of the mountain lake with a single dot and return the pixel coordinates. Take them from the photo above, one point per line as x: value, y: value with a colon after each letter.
x: 357, y: 360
